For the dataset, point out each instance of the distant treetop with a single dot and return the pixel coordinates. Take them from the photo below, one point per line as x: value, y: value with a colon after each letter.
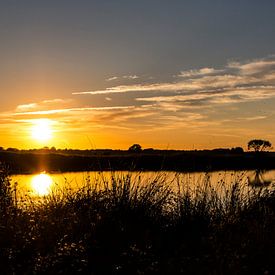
x: 259, y: 145
x: 135, y: 148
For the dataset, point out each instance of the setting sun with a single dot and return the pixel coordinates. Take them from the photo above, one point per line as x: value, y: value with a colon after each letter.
x: 42, y: 130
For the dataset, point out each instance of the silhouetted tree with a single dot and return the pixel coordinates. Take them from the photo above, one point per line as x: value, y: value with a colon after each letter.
x: 135, y: 148
x: 259, y: 145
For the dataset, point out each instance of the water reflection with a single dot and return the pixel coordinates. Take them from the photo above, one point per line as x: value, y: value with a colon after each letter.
x: 259, y: 179
x: 41, y: 184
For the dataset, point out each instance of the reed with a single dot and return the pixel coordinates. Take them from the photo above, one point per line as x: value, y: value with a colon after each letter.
x: 123, y: 225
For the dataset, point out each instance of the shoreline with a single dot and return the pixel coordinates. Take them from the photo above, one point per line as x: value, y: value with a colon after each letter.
x: 173, y: 161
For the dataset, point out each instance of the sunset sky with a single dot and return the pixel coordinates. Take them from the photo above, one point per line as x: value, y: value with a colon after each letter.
x: 165, y: 74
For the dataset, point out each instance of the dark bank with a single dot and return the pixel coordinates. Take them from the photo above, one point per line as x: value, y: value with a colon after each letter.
x: 31, y: 161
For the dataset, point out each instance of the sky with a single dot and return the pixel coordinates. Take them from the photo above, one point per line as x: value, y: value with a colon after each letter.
x: 165, y: 74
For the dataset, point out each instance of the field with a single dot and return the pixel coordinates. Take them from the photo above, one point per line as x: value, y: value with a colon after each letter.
x: 125, y: 227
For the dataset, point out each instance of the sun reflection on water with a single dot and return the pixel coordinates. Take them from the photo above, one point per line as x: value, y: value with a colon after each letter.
x: 41, y: 184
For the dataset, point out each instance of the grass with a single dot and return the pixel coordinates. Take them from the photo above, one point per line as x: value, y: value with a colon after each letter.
x: 126, y: 226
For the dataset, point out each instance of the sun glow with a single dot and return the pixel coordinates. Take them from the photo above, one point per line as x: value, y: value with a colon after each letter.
x: 41, y: 184
x: 42, y: 130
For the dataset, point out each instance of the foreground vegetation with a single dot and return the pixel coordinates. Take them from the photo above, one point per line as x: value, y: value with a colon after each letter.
x: 126, y: 226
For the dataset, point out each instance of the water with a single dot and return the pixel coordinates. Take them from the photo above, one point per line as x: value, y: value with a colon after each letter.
x: 38, y: 185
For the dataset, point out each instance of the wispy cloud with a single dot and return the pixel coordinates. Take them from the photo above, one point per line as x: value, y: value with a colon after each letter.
x: 76, y: 109
x: 197, y: 94
x: 25, y: 107
x: 112, y: 78
x: 129, y: 77
x: 44, y: 105
x: 255, y: 118
x: 255, y: 78
x: 254, y: 67
x: 158, y: 87
x: 199, y: 72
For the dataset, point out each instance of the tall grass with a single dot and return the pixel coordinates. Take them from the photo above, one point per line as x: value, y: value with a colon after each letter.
x: 123, y: 225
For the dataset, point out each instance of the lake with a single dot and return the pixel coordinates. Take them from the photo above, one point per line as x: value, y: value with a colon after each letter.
x: 37, y: 185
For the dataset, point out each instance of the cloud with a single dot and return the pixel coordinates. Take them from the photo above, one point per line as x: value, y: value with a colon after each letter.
x: 197, y: 98
x: 253, y: 67
x: 146, y: 117
x: 157, y: 87
x: 255, y: 118
x: 112, y: 78
x: 235, y: 75
x: 72, y: 113
x: 225, y: 95
x: 200, y: 72
x: 44, y: 105
x: 202, y: 83
x: 76, y: 109
x: 129, y: 77
x: 25, y: 107
x: 57, y: 100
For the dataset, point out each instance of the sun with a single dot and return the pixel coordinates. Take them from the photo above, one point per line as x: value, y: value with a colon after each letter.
x: 42, y: 130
